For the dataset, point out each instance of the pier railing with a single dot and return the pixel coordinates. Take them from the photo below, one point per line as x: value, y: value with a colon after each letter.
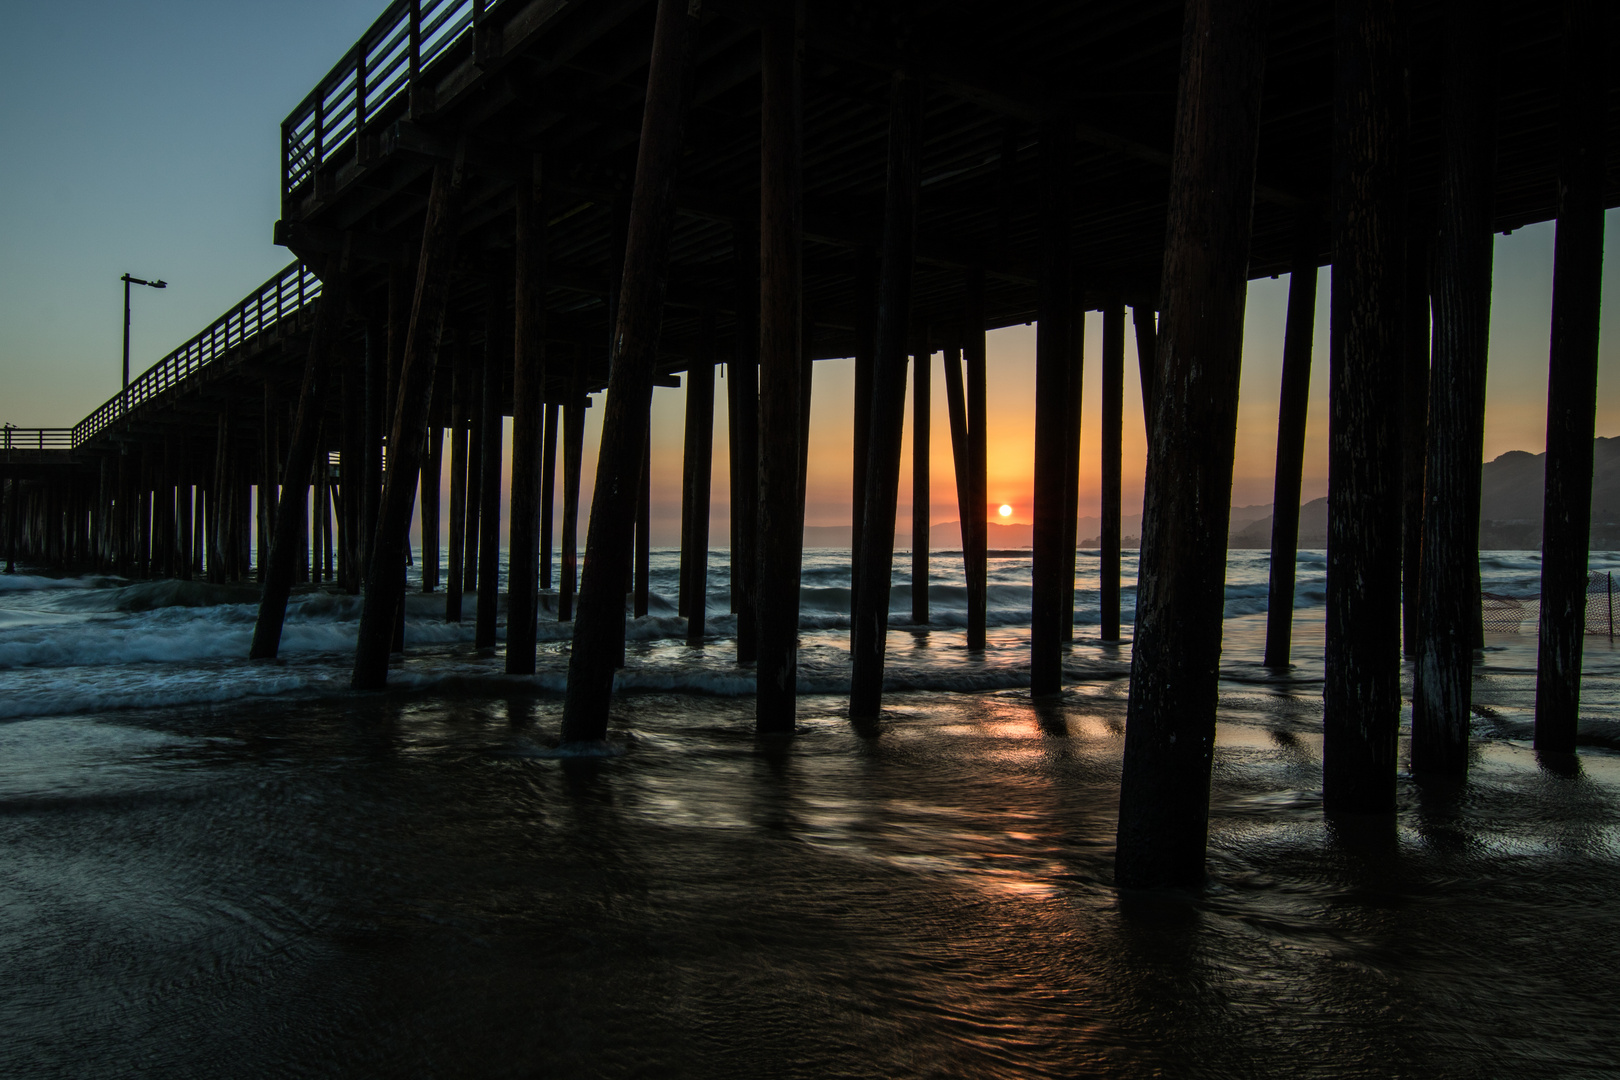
x: 379, y: 70
x: 275, y: 300
x: 38, y: 438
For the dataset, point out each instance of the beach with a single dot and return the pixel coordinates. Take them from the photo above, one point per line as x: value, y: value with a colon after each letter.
x: 216, y: 867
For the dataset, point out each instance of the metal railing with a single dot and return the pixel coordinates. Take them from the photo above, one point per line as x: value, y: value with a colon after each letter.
x: 36, y: 438
x: 377, y: 70
x: 281, y: 296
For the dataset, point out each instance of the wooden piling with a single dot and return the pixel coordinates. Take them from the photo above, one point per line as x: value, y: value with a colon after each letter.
x: 1147, y: 339
x: 455, y: 571
x: 1572, y: 374
x: 374, y: 420
x: 1054, y: 310
x: 1442, y: 688
x: 599, y: 628
x: 1361, y: 696
x: 528, y: 416
x: 267, y: 490
x: 742, y: 384
x: 1414, y: 437
x: 573, y: 455
x: 384, y: 585
x: 1293, y: 398
x: 548, y: 492
x: 961, y: 460
x: 497, y: 362
x: 921, y: 420
x: 13, y: 522
x: 700, y: 451
x: 780, y: 535
x: 643, y: 555
x: 428, y: 500
x: 1170, y: 721
x: 476, y: 370
x: 217, y: 535
x: 865, y: 346
x: 351, y: 468
x: 975, y: 550
x: 301, y: 450
x: 875, y: 560
x: 1113, y: 431
x: 1075, y: 402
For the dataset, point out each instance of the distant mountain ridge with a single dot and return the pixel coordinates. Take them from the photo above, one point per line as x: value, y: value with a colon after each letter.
x: 1510, y: 504
x: 1511, y: 496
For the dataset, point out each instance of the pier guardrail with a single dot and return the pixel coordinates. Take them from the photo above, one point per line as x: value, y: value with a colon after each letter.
x: 38, y: 438
x: 376, y: 72
x: 281, y: 296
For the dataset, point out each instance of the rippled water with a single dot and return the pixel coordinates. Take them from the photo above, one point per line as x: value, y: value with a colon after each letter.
x: 215, y: 868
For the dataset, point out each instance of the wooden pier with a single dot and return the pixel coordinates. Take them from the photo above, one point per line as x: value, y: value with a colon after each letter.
x: 501, y: 208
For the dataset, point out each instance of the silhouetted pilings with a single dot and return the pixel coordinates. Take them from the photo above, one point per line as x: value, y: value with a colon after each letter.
x: 280, y: 570
x: 697, y: 465
x: 1170, y: 720
x: 1113, y: 426
x: 1443, y: 680
x: 1362, y: 694
x: 384, y: 583
x: 781, y: 338
x: 1053, y: 361
x: 1293, y: 398
x: 599, y: 624
x: 1572, y: 377
x: 528, y: 419
x: 921, y: 421
x: 173, y: 497
x: 875, y: 559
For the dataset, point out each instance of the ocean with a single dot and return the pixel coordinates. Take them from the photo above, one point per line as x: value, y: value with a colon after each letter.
x: 213, y: 867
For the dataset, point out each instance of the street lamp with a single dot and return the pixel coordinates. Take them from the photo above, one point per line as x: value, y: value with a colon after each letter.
x: 128, y: 281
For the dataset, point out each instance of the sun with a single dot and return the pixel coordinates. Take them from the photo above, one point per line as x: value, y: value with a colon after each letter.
x: 1005, y: 511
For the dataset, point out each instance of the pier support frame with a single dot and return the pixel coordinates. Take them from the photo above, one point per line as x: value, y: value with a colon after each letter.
x: 781, y: 339
x: 742, y: 384
x: 922, y: 396
x: 428, y: 500
x: 1170, y: 721
x: 385, y: 584
x: 497, y: 361
x: 528, y: 416
x: 975, y: 550
x: 599, y: 629
x: 457, y: 538
x: 1572, y: 375
x: 1442, y: 692
x: 1361, y: 696
x: 1053, y: 343
x: 1113, y: 431
x: 1293, y: 398
x: 1071, y: 455
x: 573, y: 457
x: 875, y: 560
x: 548, y: 493
x: 1414, y: 438
x: 698, y: 465
x: 865, y: 346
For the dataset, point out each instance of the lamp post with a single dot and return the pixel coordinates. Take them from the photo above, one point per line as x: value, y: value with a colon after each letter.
x: 128, y: 281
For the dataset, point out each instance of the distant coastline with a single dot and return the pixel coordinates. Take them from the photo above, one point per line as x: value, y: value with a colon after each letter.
x: 1510, y: 514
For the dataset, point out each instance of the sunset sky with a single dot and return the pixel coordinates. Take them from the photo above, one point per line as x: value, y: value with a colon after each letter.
x: 142, y: 137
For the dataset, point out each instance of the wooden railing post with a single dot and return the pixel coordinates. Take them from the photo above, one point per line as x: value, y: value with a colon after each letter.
x: 416, y: 104
x: 359, y: 94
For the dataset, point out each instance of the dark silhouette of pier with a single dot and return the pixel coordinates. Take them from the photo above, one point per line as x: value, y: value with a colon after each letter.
x: 499, y: 208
